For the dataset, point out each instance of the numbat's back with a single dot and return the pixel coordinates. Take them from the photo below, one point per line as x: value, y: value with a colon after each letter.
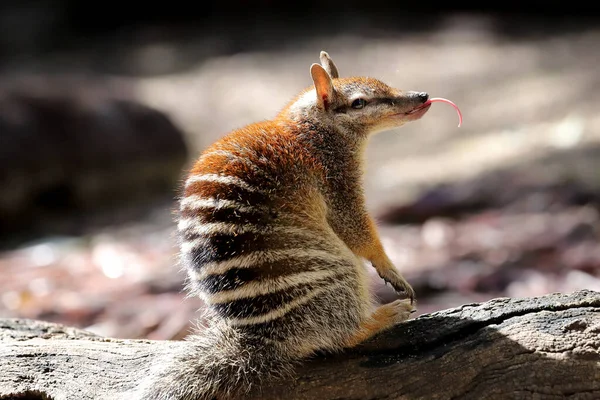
x: 274, y: 233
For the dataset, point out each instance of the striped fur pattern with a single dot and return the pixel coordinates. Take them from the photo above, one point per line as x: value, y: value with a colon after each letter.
x: 253, y: 255
x: 273, y: 233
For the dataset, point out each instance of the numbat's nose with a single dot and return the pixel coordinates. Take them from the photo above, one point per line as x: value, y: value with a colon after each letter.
x: 423, y: 96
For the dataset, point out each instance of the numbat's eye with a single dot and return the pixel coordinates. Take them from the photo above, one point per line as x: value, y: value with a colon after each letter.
x: 359, y: 103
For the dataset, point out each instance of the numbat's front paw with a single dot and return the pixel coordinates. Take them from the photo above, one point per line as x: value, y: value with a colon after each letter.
x: 399, y: 284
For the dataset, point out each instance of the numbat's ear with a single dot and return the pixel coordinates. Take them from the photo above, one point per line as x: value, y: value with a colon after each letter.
x: 324, y: 86
x: 328, y: 64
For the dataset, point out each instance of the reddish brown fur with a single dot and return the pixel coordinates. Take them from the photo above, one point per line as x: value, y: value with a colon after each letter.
x: 281, y: 157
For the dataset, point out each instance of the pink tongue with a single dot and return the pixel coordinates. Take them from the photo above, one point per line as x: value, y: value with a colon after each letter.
x: 442, y: 100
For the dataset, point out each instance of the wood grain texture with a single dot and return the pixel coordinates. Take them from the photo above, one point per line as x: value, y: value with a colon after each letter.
x: 544, y: 348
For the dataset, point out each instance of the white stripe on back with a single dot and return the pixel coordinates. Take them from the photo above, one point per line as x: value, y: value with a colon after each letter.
x: 191, y: 225
x: 196, y: 202
x: 226, y: 179
x: 244, y: 158
x: 255, y: 258
x: 257, y: 288
x: 287, y: 307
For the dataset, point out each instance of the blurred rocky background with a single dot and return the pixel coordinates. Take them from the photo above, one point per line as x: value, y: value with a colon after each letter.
x: 102, y: 109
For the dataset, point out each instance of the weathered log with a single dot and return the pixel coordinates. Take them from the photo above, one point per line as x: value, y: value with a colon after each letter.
x: 544, y: 348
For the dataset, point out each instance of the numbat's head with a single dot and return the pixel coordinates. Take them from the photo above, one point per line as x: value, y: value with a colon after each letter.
x: 356, y: 105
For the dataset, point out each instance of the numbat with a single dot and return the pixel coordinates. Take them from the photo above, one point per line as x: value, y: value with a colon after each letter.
x: 274, y: 233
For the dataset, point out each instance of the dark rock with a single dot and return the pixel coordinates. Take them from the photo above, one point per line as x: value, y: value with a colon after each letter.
x: 78, y: 144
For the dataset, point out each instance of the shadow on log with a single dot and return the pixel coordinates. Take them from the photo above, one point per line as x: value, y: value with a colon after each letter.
x: 544, y: 348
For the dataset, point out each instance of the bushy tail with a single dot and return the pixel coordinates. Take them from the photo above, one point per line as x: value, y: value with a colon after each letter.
x: 218, y: 364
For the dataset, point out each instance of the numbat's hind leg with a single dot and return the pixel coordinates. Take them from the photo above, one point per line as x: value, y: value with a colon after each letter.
x: 383, y: 318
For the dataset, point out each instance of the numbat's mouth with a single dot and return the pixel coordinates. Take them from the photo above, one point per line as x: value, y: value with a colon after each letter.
x: 423, y: 107
x: 417, y: 112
